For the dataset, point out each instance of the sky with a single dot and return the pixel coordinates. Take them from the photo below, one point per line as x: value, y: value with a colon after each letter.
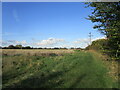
x: 47, y: 24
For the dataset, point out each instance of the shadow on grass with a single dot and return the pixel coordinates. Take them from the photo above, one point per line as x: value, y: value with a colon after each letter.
x: 41, y: 81
x: 78, y: 80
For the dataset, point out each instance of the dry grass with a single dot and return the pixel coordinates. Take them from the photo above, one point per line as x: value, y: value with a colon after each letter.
x: 33, y: 52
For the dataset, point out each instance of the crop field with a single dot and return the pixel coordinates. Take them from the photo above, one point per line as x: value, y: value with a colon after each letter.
x: 54, y: 69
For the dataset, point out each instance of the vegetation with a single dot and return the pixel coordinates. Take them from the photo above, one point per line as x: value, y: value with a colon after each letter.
x: 80, y: 69
x: 107, y: 17
x: 28, y: 47
x: 98, y: 45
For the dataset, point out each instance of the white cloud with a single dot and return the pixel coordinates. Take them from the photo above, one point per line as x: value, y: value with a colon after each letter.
x: 3, y: 43
x: 49, y: 41
x: 87, y: 40
x: 21, y: 42
x: 104, y: 37
x: 14, y: 42
x: 84, y: 42
x: 11, y: 41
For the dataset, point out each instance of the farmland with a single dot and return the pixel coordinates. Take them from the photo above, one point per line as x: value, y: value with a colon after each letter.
x: 54, y: 69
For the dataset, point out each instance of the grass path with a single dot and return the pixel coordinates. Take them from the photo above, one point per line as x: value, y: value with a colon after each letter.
x: 73, y: 70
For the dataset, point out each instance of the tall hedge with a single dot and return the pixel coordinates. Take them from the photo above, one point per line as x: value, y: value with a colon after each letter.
x: 106, y: 15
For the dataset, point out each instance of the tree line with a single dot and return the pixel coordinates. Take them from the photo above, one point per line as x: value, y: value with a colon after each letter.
x: 29, y: 47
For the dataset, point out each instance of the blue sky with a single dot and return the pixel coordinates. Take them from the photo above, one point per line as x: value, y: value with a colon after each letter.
x: 46, y: 24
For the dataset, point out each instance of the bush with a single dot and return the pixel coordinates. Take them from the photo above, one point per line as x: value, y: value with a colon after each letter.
x: 99, y: 45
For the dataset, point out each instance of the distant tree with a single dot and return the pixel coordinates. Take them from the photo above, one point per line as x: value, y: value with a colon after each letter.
x: 18, y: 46
x: 45, y: 48
x: 11, y: 47
x: 72, y: 48
x: 64, y: 48
x: 40, y: 48
x: 78, y: 48
x: 56, y: 48
x: 27, y: 47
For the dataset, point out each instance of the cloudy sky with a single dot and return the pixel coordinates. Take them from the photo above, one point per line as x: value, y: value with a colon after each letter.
x: 47, y: 24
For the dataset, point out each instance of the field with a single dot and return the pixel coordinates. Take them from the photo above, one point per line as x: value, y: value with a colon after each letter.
x: 54, y: 69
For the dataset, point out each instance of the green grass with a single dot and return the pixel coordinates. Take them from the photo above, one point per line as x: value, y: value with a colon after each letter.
x: 73, y: 70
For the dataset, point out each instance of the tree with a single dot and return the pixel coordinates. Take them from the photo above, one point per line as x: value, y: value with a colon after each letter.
x: 56, y: 48
x: 18, y: 46
x: 107, y: 17
x: 11, y: 47
x: 27, y: 47
x: 99, y: 45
